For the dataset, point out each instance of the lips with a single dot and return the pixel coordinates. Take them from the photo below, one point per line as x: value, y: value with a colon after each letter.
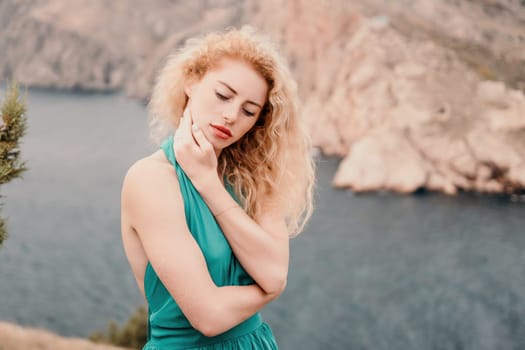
x: 223, y: 130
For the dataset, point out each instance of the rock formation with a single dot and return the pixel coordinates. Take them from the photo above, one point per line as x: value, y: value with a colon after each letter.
x: 410, y: 94
x: 405, y: 111
x: 96, y: 44
x: 13, y: 337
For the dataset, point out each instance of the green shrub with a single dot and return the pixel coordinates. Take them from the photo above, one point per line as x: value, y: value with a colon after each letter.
x: 11, y: 131
x: 132, y: 334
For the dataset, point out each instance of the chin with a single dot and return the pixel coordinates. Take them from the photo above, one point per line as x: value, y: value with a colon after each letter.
x: 222, y: 146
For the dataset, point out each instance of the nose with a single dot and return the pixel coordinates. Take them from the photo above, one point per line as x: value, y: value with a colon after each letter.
x: 230, y: 114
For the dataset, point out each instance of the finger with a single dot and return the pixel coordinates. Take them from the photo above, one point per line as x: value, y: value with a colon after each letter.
x: 178, y: 135
x: 201, y: 139
x: 186, y: 117
x: 190, y: 125
x: 187, y: 114
x: 189, y: 122
x: 184, y: 130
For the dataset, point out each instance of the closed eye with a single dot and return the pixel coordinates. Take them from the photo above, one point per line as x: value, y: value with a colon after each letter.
x: 221, y: 96
x: 248, y: 113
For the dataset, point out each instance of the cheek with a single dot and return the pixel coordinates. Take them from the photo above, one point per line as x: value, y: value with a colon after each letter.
x: 203, y: 107
x: 246, y: 126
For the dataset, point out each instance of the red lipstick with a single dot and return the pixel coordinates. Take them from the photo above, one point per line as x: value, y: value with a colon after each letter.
x: 221, y: 131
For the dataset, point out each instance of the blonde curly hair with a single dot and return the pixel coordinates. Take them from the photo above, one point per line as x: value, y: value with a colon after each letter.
x: 273, y: 159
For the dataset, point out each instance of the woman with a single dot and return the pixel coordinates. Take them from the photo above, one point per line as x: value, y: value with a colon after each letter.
x: 206, y: 220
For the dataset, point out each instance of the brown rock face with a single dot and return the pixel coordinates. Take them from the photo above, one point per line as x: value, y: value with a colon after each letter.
x: 382, y: 159
x: 405, y: 111
x: 13, y: 337
x: 402, y: 96
x: 96, y: 44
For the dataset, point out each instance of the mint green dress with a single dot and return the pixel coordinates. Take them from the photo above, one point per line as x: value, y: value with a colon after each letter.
x: 168, y: 328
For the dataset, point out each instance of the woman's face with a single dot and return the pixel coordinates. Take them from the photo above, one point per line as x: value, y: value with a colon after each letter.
x: 227, y: 101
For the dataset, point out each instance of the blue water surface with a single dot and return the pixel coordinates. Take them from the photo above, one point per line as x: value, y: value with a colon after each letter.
x: 376, y: 271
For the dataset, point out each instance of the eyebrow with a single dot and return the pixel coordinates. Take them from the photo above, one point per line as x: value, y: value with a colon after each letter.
x: 235, y: 92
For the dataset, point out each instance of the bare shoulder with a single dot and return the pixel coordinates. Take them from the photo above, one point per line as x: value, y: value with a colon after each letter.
x: 151, y: 211
x: 152, y: 166
x: 150, y: 180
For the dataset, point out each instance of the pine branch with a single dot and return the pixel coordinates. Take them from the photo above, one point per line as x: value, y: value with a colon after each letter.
x: 11, y: 131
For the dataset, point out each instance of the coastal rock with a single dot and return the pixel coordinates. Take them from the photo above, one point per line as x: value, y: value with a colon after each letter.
x: 382, y: 159
x: 95, y: 44
x: 517, y: 175
x: 14, y: 337
x: 212, y: 18
x: 405, y: 111
x: 427, y: 100
x: 46, y: 44
x: 503, y: 107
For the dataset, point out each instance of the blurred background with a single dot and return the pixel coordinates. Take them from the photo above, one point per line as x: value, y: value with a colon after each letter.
x: 417, y: 109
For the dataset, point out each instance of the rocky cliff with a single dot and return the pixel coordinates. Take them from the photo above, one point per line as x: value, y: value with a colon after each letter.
x: 96, y: 44
x: 13, y: 337
x: 410, y: 94
x: 404, y: 110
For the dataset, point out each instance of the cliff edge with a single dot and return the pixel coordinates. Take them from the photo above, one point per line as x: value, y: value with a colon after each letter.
x: 13, y: 337
x: 411, y: 95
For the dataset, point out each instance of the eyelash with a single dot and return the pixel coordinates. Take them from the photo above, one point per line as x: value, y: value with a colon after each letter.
x: 221, y: 97
x: 225, y: 98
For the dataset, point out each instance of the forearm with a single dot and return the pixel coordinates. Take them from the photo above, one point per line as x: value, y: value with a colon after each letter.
x: 233, y: 305
x: 264, y: 255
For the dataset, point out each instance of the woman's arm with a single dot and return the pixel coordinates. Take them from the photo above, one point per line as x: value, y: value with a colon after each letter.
x: 261, y: 245
x: 152, y: 200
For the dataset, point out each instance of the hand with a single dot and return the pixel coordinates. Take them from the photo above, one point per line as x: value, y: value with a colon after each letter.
x: 194, y: 153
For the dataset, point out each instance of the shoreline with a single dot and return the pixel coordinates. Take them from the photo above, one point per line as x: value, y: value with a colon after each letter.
x: 17, y: 337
